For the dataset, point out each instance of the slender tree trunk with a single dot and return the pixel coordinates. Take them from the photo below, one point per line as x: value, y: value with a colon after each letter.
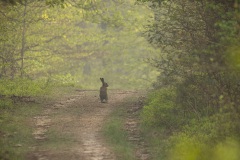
x: 3, y: 70
x: 23, y: 38
x: 13, y: 68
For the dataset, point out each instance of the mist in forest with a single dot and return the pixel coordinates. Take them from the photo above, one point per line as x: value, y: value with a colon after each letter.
x: 186, y: 50
x: 76, y: 44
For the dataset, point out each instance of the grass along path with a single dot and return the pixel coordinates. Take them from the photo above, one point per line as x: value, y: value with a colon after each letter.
x: 122, y: 130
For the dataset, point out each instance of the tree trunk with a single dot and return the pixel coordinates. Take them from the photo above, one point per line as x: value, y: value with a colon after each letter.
x: 23, y: 38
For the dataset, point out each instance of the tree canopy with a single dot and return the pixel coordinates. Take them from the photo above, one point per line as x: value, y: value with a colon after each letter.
x: 78, y: 43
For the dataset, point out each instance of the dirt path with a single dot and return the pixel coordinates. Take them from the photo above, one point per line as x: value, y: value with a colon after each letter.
x: 70, y: 128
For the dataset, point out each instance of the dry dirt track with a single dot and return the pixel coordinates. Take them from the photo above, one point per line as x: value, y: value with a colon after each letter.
x: 80, y: 117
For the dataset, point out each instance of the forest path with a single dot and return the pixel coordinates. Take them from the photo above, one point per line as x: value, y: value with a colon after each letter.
x: 70, y: 128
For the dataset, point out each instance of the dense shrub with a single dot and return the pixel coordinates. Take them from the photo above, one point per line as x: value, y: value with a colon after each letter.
x: 200, y: 59
x: 160, y: 108
x: 179, y: 135
x: 191, y: 148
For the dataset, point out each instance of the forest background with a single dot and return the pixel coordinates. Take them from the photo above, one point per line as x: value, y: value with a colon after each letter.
x: 193, y: 112
x: 75, y: 43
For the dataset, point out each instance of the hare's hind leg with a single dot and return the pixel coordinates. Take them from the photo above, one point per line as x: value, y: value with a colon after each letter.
x: 101, y: 98
x: 106, y: 98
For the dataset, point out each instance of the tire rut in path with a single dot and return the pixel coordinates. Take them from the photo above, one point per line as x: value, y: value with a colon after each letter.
x: 83, y: 127
x: 132, y: 126
x: 93, y: 146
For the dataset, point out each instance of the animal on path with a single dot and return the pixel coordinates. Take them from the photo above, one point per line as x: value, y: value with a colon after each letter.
x: 103, y: 91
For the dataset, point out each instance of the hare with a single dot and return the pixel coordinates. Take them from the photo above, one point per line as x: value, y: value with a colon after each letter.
x: 103, y: 91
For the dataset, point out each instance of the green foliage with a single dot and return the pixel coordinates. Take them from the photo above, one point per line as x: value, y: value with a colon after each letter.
x: 21, y: 87
x: 174, y: 134
x: 53, y: 3
x: 159, y: 109
x: 200, y: 60
x: 63, y: 80
x: 187, y: 149
x: 234, y: 57
x: 86, y: 40
x: 191, y: 148
x: 227, y: 150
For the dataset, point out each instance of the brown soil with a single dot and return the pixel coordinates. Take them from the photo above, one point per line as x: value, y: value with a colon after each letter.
x: 132, y: 126
x: 80, y: 118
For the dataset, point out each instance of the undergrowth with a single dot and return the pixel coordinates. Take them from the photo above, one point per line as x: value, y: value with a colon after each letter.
x: 20, y: 100
x: 16, y: 130
x: 176, y: 135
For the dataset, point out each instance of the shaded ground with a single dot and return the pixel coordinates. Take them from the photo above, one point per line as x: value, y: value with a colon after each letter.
x: 70, y: 128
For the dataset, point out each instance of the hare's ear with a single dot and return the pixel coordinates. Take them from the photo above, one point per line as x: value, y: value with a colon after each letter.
x: 102, y: 80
